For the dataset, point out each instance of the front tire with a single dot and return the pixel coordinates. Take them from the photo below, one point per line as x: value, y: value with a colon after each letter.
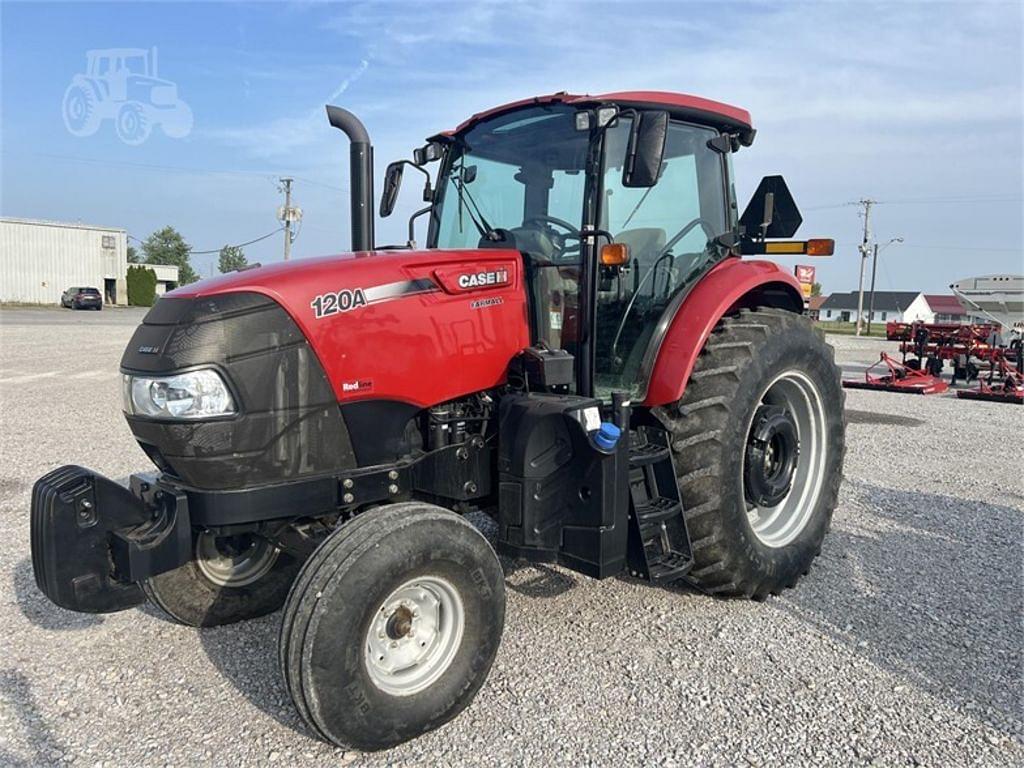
x: 392, y: 626
x: 230, y: 579
x: 133, y: 125
x: 758, y: 441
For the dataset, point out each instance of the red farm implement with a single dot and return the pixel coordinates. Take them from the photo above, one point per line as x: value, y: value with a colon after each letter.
x: 930, y: 345
x: 1003, y: 384
x: 899, y: 378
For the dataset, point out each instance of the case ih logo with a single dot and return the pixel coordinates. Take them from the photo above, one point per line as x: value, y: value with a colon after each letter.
x: 483, y: 279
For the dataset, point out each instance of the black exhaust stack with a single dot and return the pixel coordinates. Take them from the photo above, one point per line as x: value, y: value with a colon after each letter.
x: 361, y: 173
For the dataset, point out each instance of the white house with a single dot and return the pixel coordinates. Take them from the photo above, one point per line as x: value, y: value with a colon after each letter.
x: 889, y: 306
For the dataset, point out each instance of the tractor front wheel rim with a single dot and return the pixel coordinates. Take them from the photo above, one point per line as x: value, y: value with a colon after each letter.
x: 414, y: 635
x: 791, y: 402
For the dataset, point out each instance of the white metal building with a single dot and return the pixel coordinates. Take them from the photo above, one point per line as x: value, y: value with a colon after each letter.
x: 39, y: 260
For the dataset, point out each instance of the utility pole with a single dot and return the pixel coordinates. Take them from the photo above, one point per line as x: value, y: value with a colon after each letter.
x: 286, y: 214
x: 874, y: 268
x: 865, y: 249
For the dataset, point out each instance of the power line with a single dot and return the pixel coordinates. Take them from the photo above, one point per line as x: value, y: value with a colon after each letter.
x: 922, y: 200
x: 193, y: 252
x: 185, y: 169
x: 964, y: 248
x: 239, y: 245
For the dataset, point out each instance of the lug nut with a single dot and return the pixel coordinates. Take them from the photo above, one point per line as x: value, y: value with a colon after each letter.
x: 392, y: 489
x: 348, y: 498
x: 347, y: 482
x: 393, y: 475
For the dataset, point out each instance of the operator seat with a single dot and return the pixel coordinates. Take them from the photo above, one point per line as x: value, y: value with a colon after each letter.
x: 644, y: 242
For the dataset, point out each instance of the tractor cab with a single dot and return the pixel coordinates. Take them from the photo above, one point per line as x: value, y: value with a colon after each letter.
x: 618, y: 207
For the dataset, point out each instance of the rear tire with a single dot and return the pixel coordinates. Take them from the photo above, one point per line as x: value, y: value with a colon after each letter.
x: 392, y: 626
x: 760, y: 360
x: 212, y: 590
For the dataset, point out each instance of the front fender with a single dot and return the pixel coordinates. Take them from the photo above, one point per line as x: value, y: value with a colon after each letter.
x: 731, y: 284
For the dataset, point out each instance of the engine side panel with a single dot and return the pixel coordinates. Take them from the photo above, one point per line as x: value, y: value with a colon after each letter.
x: 421, y: 327
x: 731, y: 284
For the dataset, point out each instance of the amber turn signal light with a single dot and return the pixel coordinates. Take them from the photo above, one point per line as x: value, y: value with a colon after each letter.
x: 615, y: 254
x: 821, y: 247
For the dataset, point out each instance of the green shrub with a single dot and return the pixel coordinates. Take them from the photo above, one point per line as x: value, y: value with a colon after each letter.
x: 141, y: 286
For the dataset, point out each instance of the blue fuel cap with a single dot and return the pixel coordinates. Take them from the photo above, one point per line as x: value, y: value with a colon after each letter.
x: 607, y: 436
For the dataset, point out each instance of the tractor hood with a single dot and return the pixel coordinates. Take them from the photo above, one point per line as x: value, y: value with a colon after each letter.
x: 420, y: 327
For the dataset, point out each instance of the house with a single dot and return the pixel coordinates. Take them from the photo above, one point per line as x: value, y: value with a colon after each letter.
x: 889, y: 306
x: 948, y: 309
x: 814, y: 306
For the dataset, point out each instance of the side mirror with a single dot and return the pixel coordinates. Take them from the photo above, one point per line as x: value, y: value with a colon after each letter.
x: 646, y: 149
x: 392, y: 183
x: 771, y: 212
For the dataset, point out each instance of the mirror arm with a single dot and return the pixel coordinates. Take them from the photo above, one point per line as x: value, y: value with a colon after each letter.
x: 412, y: 224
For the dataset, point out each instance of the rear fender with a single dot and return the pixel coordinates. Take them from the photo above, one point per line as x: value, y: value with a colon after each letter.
x: 730, y: 285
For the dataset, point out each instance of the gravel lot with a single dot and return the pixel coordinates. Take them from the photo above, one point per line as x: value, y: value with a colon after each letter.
x: 903, y: 646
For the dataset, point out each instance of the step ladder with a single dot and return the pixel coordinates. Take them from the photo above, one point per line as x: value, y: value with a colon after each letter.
x: 659, y: 544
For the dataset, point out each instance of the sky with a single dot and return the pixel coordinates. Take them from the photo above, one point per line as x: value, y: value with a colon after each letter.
x: 915, y: 105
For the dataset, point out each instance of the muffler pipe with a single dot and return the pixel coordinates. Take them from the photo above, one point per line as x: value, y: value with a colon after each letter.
x: 360, y: 174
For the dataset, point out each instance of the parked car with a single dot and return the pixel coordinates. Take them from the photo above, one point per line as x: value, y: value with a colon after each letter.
x: 82, y: 298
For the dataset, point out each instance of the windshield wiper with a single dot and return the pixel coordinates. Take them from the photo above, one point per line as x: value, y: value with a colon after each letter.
x: 475, y: 214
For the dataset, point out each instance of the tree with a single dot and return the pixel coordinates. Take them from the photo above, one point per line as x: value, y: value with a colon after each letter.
x: 167, y: 246
x: 133, y: 255
x: 231, y: 258
x: 141, y: 286
x: 815, y: 289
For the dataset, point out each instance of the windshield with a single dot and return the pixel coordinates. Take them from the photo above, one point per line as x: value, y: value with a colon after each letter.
x: 523, y: 171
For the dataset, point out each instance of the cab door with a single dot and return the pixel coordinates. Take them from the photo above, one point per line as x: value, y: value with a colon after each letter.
x: 669, y: 229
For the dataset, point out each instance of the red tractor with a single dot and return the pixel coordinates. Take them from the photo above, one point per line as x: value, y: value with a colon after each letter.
x: 580, y: 352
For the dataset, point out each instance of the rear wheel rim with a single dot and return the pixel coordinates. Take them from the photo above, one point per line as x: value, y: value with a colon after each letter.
x: 778, y: 525
x: 414, y: 635
x: 234, y: 561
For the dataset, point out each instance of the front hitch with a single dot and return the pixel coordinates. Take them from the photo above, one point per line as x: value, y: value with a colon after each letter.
x: 93, y: 540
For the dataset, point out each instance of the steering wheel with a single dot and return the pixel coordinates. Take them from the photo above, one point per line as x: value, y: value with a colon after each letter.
x: 666, y: 249
x: 554, y: 221
x: 572, y: 232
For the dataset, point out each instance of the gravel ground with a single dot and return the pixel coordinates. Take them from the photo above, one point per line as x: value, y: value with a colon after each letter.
x: 902, y: 646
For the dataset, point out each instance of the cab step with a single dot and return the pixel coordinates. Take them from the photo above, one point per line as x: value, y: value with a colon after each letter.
x: 659, y: 543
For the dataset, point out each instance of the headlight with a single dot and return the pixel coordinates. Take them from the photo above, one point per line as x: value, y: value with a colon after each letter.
x: 193, y: 395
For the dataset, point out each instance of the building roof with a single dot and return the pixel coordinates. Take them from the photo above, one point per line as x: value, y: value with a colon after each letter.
x: 815, y: 302
x: 66, y: 224
x: 944, y: 304
x: 885, y: 301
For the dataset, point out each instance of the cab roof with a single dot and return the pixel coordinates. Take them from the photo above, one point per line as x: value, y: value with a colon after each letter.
x: 680, y: 105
